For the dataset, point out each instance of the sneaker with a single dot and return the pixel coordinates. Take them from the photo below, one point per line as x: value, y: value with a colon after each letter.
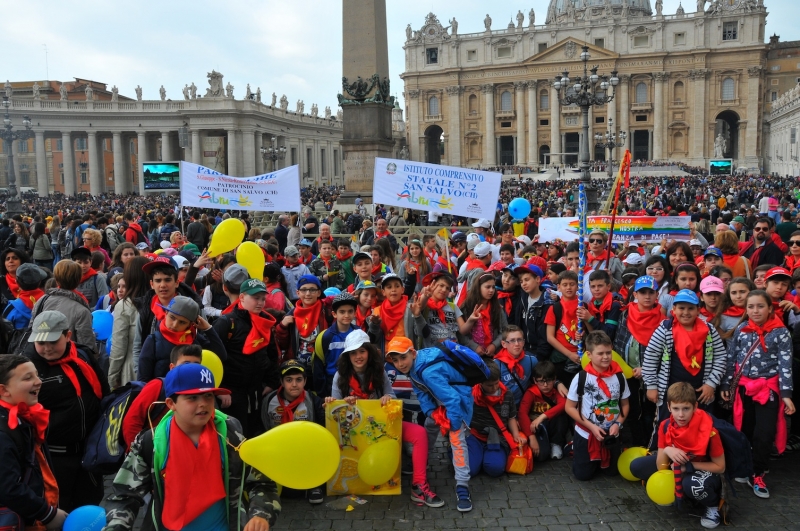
x: 315, y: 496
x: 423, y: 494
x: 711, y: 519
x: 464, y: 501
x: 741, y: 480
x: 555, y: 452
x: 759, y: 487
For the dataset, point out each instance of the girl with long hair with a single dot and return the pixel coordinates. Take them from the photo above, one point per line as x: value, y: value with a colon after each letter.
x: 122, y: 364
x: 657, y: 267
x: 366, y: 295
x: 732, y: 310
x: 685, y: 276
x: 413, y: 262
x: 20, y: 238
x: 55, y: 230
x: 484, y: 338
x: 389, y: 256
x: 10, y: 260
x: 40, y: 247
x: 123, y: 254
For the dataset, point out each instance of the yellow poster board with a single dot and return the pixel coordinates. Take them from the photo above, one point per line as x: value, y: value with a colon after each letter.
x: 370, y: 439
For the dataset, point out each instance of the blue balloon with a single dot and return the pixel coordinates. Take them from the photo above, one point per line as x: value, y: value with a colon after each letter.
x: 332, y: 292
x: 519, y: 208
x: 102, y: 324
x: 86, y: 518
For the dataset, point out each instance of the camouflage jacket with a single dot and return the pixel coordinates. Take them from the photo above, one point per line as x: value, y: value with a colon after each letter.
x: 318, y: 269
x: 137, y: 478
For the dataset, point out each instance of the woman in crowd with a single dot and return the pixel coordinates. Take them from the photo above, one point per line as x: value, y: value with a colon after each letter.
x: 123, y: 254
x: 10, y: 260
x: 121, y: 369
x: 92, y: 238
x: 72, y: 304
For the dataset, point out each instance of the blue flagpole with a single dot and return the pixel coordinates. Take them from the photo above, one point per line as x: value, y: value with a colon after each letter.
x: 582, y: 254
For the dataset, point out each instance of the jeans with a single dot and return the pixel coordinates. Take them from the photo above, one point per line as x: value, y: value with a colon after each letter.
x: 56, y: 253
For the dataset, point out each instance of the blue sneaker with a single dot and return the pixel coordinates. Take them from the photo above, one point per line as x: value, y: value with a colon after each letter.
x: 464, y: 504
x: 759, y: 487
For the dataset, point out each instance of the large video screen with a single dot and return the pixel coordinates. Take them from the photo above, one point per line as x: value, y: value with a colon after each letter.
x: 162, y: 175
x: 720, y: 167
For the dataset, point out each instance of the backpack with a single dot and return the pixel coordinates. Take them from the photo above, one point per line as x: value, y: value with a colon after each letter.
x: 9, y: 520
x: 112, y: 237
x: 468, y: 363
x: 17, y: 339
x: 105, y: 448
x: 582, y: 385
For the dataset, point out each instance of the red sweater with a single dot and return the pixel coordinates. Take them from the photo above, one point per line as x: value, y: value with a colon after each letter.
x: 136, y: 418
x: 534, y: 401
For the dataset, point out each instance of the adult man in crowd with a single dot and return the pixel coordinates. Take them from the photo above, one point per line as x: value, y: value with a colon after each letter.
x: 761, y: 249
x: 196, y: 233
x: 337, y: 223
x: 324, y: 236
x: 382, y: 231
x: 282, y: 231
x: 310, y: 223
x: 786, y: 227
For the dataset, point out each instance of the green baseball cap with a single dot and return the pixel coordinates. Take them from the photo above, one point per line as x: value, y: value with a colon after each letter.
x: 253, y: 286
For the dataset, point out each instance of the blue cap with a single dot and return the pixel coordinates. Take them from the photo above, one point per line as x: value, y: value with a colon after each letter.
x: 191, y: 379
x: 686, y: 295
x: 308, y: 279
x: 645, y: 282
x: 713, y: 250
x: 529, y: 268
x: 305, y: 242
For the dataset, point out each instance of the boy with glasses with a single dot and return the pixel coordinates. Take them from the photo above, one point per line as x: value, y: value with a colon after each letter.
x: 311, y: 316
x: 541, y: 414
x: 516, y: 366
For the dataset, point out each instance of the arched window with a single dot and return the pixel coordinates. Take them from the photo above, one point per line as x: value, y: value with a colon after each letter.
x: 544, y: 100
x: 678, y: 92
x: 474, y: 152
x: 505, y: 101
x: 473, y: 104
x: 433, y: 106
x: 641, y: 93
x: 728, y: 89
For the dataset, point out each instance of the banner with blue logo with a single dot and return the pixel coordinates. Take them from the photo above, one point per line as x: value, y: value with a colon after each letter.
x: 270, y: 192
x: 436, y: 188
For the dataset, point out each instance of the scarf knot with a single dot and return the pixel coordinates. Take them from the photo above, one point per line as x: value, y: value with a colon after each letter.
x: 287, y: 410
x: 612, y: 369
x: 514, y: 364
x: 69, y: 361
x: 36, y: 415
x: 761, y: 331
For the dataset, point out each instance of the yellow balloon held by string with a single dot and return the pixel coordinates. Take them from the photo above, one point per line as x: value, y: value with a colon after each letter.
x: 275, y: 454
x: 212, y: 362
x: 625, y: 460
x: 249, y: 256
x: 626, y: 369
x: 661, y: 487
x: 379, y: 462
x: 226, y: 237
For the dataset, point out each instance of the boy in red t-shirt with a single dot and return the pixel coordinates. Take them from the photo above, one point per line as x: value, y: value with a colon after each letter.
x: 563, y: 334
x: 541, y: 416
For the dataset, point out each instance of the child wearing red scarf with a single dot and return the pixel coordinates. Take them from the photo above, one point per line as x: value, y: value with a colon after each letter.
x: 392, y: 317
x: 362, y: 269
x: 602, y: 312
x: 310, y: 317
x: 598, y: 411
x: 366, y: 294
x: 689, y: 445
x: 190, y: 465
x: 541, y: 414
x: 29, y: 277
x: 23, y: 422
x: 493, y: 415
x: 484, y: 338
x: 516, y: 366
x: 291, y: 402
x: 327, y: 267
x: 92, y: 285
x: 441, y: 318
x: 345, y: 256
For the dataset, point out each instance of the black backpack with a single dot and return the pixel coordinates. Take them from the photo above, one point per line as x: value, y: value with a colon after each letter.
x: 582, y: 385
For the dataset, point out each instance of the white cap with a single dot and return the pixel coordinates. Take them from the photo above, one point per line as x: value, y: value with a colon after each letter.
x: 482, y: 249
x: 524, y: 239
x: 482, y: 223
x: 693, y: 243
x: 655, y: 250
x: 633, y: 259
x: 354, y: 340
x: 181, y: 261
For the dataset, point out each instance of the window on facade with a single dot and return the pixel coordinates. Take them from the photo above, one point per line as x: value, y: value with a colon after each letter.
x: 680, y: 39
x: 22, y: 146
x: 473, y: 104
x: 505, y: 124
x: 62, y: 178
x: 728, y: 89
x: 641, y: 93
x: 678, y: 142
x: 544, y: 122
x: 542, y: 47
x: 24, y: 178
x: 678, y: 92
x: 505, y: 101
x: 544, y: 100
x: 309, y: 160
x: 641, y: 41
x: 504, y: 51
x: 83, y: 177
x: 432, y: 56
x: 59, y: 145
x: 600, y: 43
x: 773, y: 96
x: 641, y: 117
x: 132, y: 147
x: 599, y: 119
x: 80, y: 143
x: 472, y: 55
x: 294, y: 156
x: 730, y: 31
x: 322, y: 165
x: 433, y: 106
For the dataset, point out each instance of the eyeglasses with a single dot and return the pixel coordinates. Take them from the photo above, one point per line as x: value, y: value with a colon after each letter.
x: 544, y: 380
x: 654, y: 269
x: 760, y: 229
x: 794, y: 243
x: 308, y: 290
x: 595, y: 240
x: 515, y: 340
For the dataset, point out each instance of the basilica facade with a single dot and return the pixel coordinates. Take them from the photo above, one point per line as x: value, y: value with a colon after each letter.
x: 687, y: 80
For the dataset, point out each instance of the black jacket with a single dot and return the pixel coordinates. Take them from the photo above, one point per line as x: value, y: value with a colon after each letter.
x: 197, y: 234
x: 533, y: 327
x: 146, y: 316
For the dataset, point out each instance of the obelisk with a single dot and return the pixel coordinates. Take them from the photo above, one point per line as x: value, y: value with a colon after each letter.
x: 365, y: 99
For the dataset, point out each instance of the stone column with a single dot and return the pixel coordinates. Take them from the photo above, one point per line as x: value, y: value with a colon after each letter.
x: 41, y: 165
x: 230, y: 154
x: 489, y: 152
x: 519, y: 91
x: 120, y: 178
x: 141, y: 144
x: 555, y: 126
x: 625, y: 107
x: 414, y: 125
x: 166, y: 146
x: 750, y: 155
x: 197, y: 147
x: 660, y: 79
x: 611, y: 113
x: 259, y: 140
x: 249, y: 152
x: 454, y: 119
x: 96, y: 178
x: 69, y: 164
x: 533, y: 123
x: 698, y: 146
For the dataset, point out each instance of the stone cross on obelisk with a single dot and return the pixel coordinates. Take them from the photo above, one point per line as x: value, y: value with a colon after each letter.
x: 365, y: 99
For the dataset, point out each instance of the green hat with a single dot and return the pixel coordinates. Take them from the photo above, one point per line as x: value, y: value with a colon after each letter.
x: 191, y: 247
x: 253, y: 286
x: 738, y: 219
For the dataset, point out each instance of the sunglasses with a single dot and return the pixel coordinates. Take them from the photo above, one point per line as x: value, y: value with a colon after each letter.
x: 595, y: 240
x: 760, y: 229
x: 794, y: 243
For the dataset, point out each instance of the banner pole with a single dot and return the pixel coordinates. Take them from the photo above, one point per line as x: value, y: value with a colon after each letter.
x: 582, y: 257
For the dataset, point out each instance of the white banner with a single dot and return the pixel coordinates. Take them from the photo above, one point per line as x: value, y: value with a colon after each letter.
x: 276, y: 191
x: 431, y: 187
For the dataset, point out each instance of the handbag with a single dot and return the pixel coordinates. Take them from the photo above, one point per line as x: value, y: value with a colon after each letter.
x: 520, y: 458
x: 737, y: 375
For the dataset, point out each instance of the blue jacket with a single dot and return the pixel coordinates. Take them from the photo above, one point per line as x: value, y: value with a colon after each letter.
x: 18, y: 314
x: 154, y: 358
x: 510, y: 381
x: 434, y: 387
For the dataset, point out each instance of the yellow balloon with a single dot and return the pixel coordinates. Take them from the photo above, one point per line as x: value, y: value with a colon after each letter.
x: 226, y: 237
x: 379, y: 462
x: 626, y: 369
x: 661, y: 487
x: 249, y: 256
x: 214, y: 364
x: 277, y: 452
x: 625, y: 460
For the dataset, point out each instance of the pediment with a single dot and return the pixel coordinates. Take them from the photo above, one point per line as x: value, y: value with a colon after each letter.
x: 570, y: 50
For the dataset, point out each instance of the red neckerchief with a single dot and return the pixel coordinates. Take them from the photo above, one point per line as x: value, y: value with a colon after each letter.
x: 598, y: 451
x: 260, y: 332
x: 484, y: 400
x: 643, y: 324
x: 792, y: 263
x: 692, y: 438
x: 511, y: 362
x: 29, y: 297
x: 777, y: 311
x: 155, y: 307
x: 771, y: 324
x: 438, y: 307
x: 383, y: 234
x: 432, y: 258
x: 439, y: 416
x: 200, y: 465
x: 306, y: 260
x: 71, y: 358
x: 507, y: 302
x: 708, y: 315
x: 486, y: 324
x: 13, y: 287
x: 326, y: 261
x: 444, y: 262
x: 734, y: 311
x: 356, y: 391
x: 287, y: 410
x: 89, y: 274
x: 361, y: 317
x: 35, y: 415
x: 391, y: 314
x: 186, y: 337
x: 307, y: 319
x: 592, y: 258
x: 344, y: 257
x: 730, y: 260
x: 689, y: 344
x: 600, y: 311
x: 611, y: 371
x: 475, y: 263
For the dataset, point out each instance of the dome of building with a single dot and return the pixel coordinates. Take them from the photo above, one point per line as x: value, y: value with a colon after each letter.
x: 561, y: 10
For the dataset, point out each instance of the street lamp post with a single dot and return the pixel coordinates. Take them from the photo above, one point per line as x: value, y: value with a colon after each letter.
x: 273, y: 153
x: 13, y: 203
x: 588, y: 90
x: 610, y: 140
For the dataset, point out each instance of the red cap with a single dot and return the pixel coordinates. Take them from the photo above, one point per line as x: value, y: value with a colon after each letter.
x: 778, y: 272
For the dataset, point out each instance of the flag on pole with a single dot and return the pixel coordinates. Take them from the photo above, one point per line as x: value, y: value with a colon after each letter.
x: 625, y: 168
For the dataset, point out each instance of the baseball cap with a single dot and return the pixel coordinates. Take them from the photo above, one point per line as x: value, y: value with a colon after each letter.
x: 524, y: 240
x: 304, y: 242
x: 687, y: 296
x: 366, y: 284
x: 48, y: 326
x: 738, y: 219
x: 399, y: 345
x: 308, y: 279
x: 633, y: 259
x: 695, y: 243
x: 142, y: 246
x: 191, y: 379
x: 389, y: 276
x: 251, y: 286
x: 529, y: 268
x: 777, y: 272
x: 483, y: 249
x: 159, y: 262
x: 430, y: 278
x: 234, y: 276
x: 354, y: 340
x: 538, y: 261
x: 191, y: 248
x: 482, y: 223
x: 181, y: 261
x: 183, y: 306
x: 165, y: 244
x: 458, y: 237
x: 291, y: 250
x: 80, y: 251
x: 497, y: 266
x: 29, y: 276
x: 713, y: 250
x: 292, y: 366
x: 712, y: 285
x: 361, y: 256
x: 472, y: 243
x: 169, y: 251
x: 343, y: 299
x: 645, y: 282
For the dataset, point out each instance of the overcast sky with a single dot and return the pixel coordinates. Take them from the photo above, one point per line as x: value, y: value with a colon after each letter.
x: 289, y: 47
